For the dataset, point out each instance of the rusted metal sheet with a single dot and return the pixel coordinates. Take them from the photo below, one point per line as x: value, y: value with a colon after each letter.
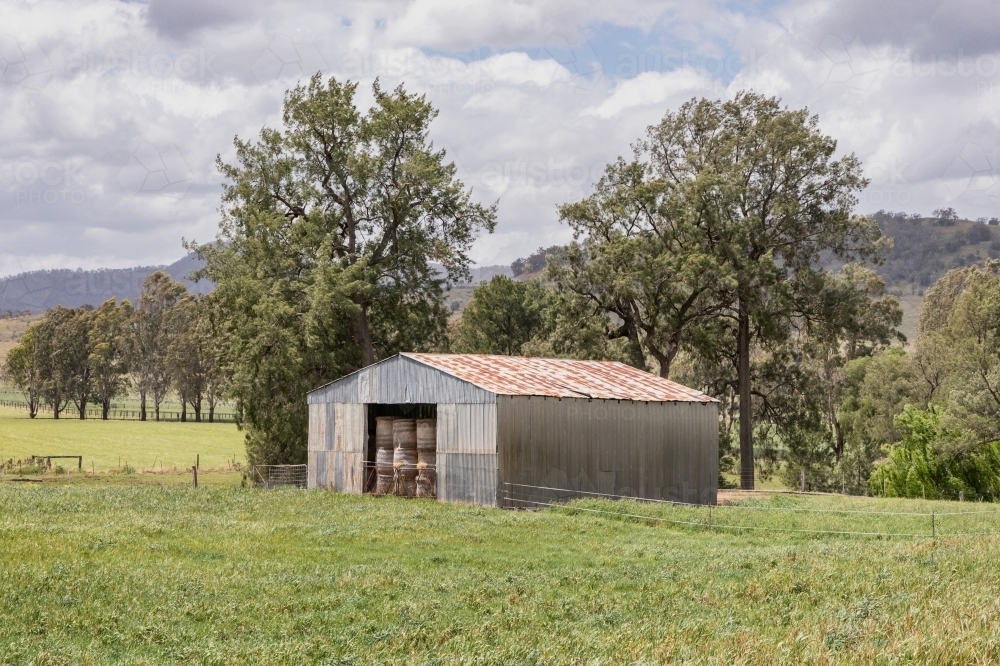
x: 467, y: 478
x: 466, y: 428
x: 559, y: 377
x: 649, y: 450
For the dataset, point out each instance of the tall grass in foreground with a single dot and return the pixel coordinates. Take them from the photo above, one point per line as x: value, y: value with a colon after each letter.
x: 156, y: 575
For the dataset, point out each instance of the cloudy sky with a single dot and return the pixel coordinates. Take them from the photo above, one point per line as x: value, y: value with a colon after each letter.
x: 112, y: 113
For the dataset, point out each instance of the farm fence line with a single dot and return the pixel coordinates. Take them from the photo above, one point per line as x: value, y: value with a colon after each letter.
x: 747, y: 518
x: 133, y: 414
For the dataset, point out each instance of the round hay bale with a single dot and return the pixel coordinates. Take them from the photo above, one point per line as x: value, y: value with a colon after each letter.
x: 426, y: 483
x: 384, y: 484
x: 405, y: 461
x: 383, y: 431
x: 427, y: 434
x: 384, y: 461
x: 426, y: 459
x: 404, y: 434
x: 406, y: 485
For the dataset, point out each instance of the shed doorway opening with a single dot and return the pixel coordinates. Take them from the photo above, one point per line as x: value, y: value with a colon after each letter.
x: 401, y: 451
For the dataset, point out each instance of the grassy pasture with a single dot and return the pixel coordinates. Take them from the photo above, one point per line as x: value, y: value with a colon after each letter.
x: 147, y: 575
x: 105, y: 445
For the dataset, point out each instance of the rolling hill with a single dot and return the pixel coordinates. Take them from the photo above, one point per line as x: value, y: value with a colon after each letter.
x: 40, y: 290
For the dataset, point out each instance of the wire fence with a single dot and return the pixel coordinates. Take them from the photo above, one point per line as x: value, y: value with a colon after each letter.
x: 122, y: 414
x: 280, y: 476
x: 754, y: 517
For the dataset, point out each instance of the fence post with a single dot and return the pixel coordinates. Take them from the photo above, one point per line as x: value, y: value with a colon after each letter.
x: 933, y: 528
x: 802, y: 478
x: 194, y: 473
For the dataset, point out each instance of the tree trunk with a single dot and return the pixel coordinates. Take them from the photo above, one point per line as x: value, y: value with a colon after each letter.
x: 839, y: 452
x: 363, y: 331
x: 743, y: 382
x: 157, y: 410
x: 142, y: 405
x: 196, y: 405
x: 83, y: 408
x: 184, y: 410
x: 211, y: 413
x: 105, y: 408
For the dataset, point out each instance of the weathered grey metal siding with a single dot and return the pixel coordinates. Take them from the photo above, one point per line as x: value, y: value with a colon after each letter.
x: 397, y: 381
x: 654, y: 450
x: 338, y: 434
x: 320, y: 443
x: 467, y: 478
x: 345, y: 461
x: 467, y: 453
x: 467, y: 428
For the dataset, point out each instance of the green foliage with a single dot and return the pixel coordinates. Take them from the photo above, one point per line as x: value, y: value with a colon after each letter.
x: 503, y: 315
x: 152, y: 329
x: 109, y: 352
x: 925, y: 464
x: 536, y: 261
x: 709, y: 241
x: 23, y: 369
x: 323, y: 259
x: 86, y: 355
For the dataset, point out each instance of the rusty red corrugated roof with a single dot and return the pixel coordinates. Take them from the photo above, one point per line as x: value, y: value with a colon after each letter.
x: 560, y: 377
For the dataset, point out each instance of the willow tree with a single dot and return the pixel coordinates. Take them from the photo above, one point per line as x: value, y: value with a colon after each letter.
x: 330, y: 228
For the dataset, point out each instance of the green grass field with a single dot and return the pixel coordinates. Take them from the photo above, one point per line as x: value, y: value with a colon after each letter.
x: 240, y: 576
x: 107, y: 445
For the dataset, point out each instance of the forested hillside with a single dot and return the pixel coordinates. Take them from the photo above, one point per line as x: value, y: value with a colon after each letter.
x: 925, y: 248
x: 38, y: 291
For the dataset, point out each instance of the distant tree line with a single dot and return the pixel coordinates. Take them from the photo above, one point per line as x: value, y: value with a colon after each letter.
x: 85, y: 356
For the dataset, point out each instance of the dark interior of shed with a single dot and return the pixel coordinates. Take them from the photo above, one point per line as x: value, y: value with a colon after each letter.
x: 412, y: 411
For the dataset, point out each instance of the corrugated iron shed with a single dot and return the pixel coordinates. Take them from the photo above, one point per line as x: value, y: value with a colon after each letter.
x: 560, y: 378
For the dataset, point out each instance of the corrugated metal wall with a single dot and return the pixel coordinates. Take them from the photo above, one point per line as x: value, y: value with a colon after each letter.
x: 338, y: 435
x: 397, y: 381
x: 321, y: 425
x: 467, y: 453
x: 635, y: 449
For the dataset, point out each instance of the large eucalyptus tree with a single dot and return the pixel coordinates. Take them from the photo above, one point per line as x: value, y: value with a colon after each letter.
x: 711, y: 237
x: 324, y: 261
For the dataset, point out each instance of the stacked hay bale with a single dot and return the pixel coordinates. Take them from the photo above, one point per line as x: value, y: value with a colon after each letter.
x: 384, y: 453
x: 426, y: 457
x: 404, y: 460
